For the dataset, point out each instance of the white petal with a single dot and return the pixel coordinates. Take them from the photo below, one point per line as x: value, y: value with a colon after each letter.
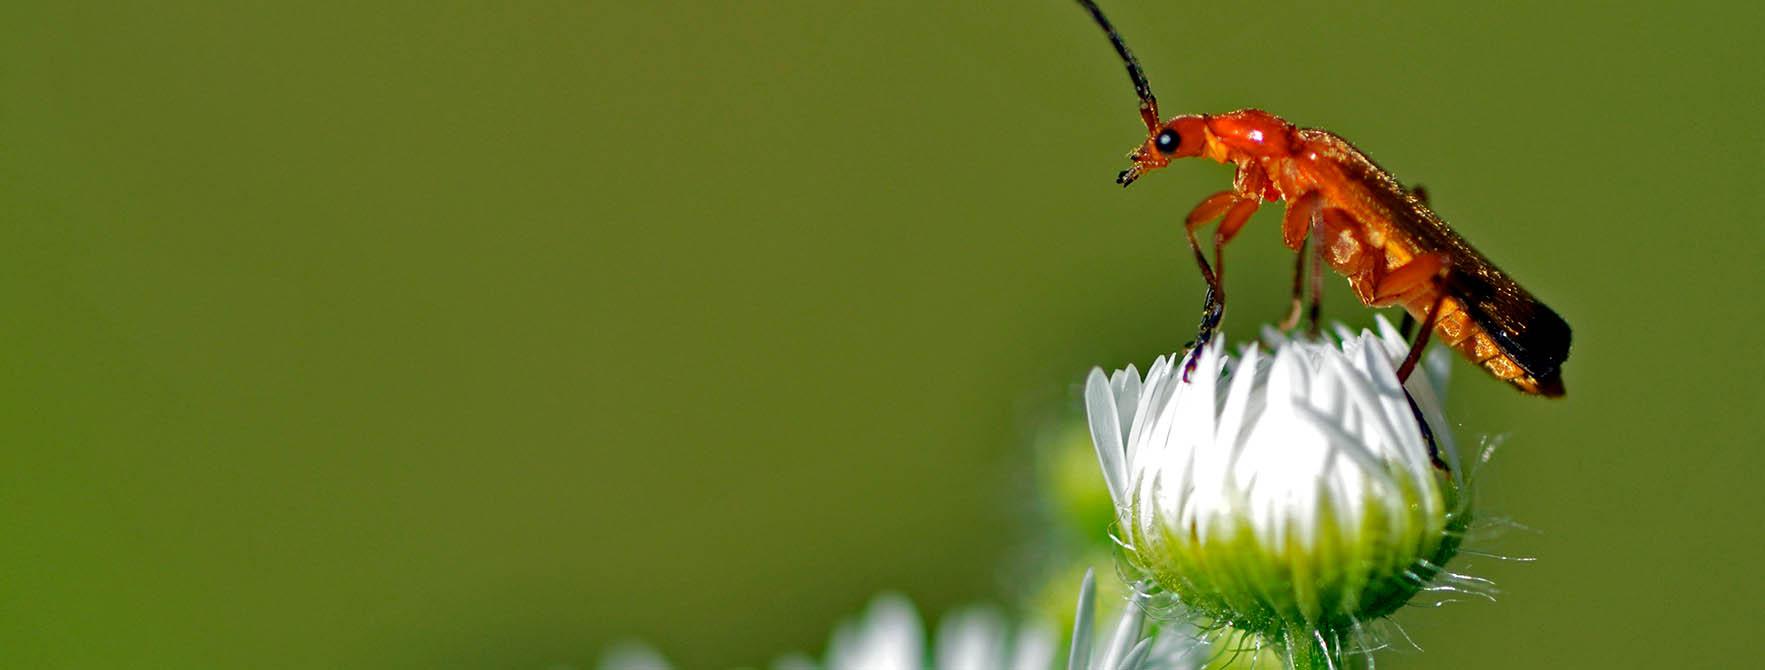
x: 888, y: 638
x: 794, y: 662
x: 1274, y: 336
x: 1106, y: 435
x: 1126, y: 384
x: 1034, y: 649
x: 632, y: 656
x: 1389, y: 334
x: 973, y: 638
x: 1136, y: 657
x: 1348, y: 445
x: 1237, y: 403
x: 1438, y: 364
x: 1376, y: 389
x: 1127, y: 632
x: 1079, y: 656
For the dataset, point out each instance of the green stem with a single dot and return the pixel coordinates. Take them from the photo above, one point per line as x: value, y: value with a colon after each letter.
x: 1304, y: 652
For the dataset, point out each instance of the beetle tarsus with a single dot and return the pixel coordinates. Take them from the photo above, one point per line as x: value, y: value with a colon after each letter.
x: 1427, y: 433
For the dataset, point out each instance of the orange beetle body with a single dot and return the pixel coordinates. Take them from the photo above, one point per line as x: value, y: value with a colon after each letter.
x: 1364, y: 224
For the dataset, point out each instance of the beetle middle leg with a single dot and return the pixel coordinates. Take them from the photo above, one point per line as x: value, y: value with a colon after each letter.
x: 1236, y: 211
x: 1300, y: 227
x: 1291, y: 321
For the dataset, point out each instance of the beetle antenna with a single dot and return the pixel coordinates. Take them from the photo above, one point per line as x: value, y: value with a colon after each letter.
x: 1148, y: 104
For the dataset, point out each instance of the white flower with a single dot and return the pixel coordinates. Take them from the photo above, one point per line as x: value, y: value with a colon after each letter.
x: 888, y: 636
x: 1287, y: 496
x: 1127, y: 648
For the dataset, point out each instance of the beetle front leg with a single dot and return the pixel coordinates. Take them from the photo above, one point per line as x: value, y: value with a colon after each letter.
x: 1236, y: 211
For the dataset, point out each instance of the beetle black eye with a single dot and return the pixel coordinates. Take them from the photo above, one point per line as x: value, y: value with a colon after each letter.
x: 1167, y: 141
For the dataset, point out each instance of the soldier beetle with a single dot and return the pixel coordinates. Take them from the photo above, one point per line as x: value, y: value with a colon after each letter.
x: 1360, y: 221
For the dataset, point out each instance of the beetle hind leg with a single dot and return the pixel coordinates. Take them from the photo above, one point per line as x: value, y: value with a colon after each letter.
x: 1420, y: 193
x: 1424, y: 273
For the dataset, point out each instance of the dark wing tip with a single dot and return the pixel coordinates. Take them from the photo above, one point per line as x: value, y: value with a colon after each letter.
x: 1540, y: 343
x: 1525, y: 329
x: 1551, y: 387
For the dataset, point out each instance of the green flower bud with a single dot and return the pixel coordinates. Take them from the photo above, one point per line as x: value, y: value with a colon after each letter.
x: 1292, y: 497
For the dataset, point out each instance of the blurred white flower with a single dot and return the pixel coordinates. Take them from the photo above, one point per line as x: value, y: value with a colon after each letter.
x: 1128, y: 647
x: 632, y: 656
x: 1291, y: 497
x: 888, y: 636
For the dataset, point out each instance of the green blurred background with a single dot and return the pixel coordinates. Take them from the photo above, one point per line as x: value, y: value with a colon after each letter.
x: 484, y: 334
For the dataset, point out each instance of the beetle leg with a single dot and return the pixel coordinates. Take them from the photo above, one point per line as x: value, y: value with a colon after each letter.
x: 1409, y: 320
x: 1432, y: 269
x: 1213, y: 306
x: 1424, y: 272
x: 1291, y: 321
x: 1342, y: 243
x: 1236, y: 211
x: 1301, y: 216
x: 1427, y: 329
x: 1427, y: 433
x: 1296, y: 224
x: 1319, y: 245
x: 1420, y: 193
x: 1338, y: 240
x: 1229, y: 226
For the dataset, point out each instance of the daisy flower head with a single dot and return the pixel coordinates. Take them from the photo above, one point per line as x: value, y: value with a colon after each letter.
x: 1290, y: 495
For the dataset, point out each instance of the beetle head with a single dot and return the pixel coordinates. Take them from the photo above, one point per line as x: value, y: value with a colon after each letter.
x: 1183, y: 137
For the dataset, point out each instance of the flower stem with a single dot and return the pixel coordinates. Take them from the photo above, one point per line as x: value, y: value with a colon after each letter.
x: 1305, y: 651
